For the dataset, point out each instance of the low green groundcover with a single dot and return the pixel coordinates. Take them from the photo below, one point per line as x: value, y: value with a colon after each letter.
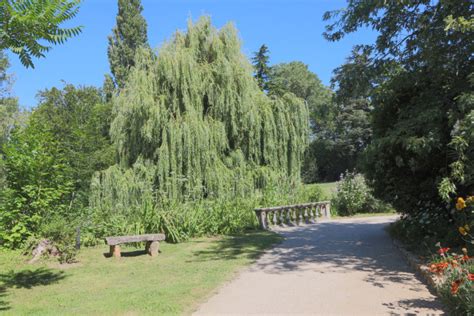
x: 182, y: 276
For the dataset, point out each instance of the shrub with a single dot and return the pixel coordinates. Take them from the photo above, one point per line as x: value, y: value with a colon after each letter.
x: 456, y: 280
x: 62, y: 234
x: 127, y: 202
x: 353, y: 196
x: 39, y: 184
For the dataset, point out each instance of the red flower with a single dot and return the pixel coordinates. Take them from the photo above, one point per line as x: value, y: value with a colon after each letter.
x: 470, y: 276
x: 438, y: 267
x: 465, y: 258
x: 455, y: 286
x: 442, y: 251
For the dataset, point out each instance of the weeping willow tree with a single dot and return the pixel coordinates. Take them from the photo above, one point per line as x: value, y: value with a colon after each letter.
x: 194, y: 117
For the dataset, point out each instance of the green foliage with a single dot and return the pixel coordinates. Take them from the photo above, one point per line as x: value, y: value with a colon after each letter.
x: 339, y: 142
x: 296, y: 78
x: 460, y: 177
x: 340, y: 123
x: 9, y: 112
x: 127, y: 37
x: 79, y: 119
x: 260, y: 64
x: 199, y: 144
x: 49, y: 164
x: 26, y: 24
x: 415, y: 75
x: 353, y: 196
x: 463, y: 302
x: 124, y: 201
x: 207, y: 128
x: 39, y: 183
x: 62, y: 233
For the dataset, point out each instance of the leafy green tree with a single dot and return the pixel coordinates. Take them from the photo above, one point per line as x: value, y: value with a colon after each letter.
x: 127, y: 37
x: 39, y: 183
x: 206, y: 131
x: 9, y: 112
x: 25, y: 26
x: 79, y: 118
x: 339, y: 145
x: 296, y: 78
x: 108, y: 88
x: 339, y: 122
x: 49, y: 164
x: 8, y: 104
x: 419, y: 70
x: 260, y: 63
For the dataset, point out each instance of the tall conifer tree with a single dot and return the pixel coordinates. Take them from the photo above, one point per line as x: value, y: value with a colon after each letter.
x: 128, y: 35
x: 260, y: 63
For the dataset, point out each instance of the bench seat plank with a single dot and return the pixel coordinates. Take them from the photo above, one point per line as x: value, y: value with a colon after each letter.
x: 112, y: 241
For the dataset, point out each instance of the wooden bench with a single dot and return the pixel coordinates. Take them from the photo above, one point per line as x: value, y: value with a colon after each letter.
x: 152, y: 243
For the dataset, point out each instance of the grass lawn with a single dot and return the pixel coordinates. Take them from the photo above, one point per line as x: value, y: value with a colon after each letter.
x: 182, y: 276
x: 327, y: 189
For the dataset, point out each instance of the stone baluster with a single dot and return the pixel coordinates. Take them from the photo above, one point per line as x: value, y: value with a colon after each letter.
x: 324, y: 211
x: 300, y: 215
x: 317, y: 209
x: 282, y: 217
x: 328, y: 211
x: 288, y: 216
x: 311, y: 214
x: 274, y: 218
x: 263, y: 220
x: 306, y: 216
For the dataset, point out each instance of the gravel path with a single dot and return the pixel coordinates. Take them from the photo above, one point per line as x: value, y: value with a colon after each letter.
x: 338, y: 267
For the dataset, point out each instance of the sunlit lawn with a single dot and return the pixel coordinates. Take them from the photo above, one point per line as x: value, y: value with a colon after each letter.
x: 175, y: 282
x: 327, y: 188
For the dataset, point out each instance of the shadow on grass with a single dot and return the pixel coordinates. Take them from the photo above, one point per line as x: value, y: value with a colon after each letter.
x: 249, y: 245
x: 127, y: 253
x: 26, y: 279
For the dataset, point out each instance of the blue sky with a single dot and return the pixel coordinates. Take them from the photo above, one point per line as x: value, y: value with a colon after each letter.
x: 292, y: 29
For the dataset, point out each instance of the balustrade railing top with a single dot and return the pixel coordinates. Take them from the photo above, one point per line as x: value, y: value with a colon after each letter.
x: 289, y: 215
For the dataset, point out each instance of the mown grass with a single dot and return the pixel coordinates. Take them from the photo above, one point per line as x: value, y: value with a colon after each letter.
x: 327, y: 189
x: 175, y: 282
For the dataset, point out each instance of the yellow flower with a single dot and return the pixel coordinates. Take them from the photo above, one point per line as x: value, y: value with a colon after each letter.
x: 470, y: 199
x: 464, y: 230
x: 460, y: 204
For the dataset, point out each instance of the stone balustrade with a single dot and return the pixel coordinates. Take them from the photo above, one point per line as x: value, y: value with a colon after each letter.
x: 290, y: 215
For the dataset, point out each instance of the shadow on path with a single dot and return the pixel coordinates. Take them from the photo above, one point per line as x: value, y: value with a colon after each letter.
x: 339, y: 247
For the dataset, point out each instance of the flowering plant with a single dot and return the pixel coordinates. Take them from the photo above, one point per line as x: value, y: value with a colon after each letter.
x: 464, y: 217
x: 455, y: 273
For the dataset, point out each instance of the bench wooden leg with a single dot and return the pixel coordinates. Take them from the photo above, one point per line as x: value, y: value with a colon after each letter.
x: 115, y: 251
x: 152, y: 248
